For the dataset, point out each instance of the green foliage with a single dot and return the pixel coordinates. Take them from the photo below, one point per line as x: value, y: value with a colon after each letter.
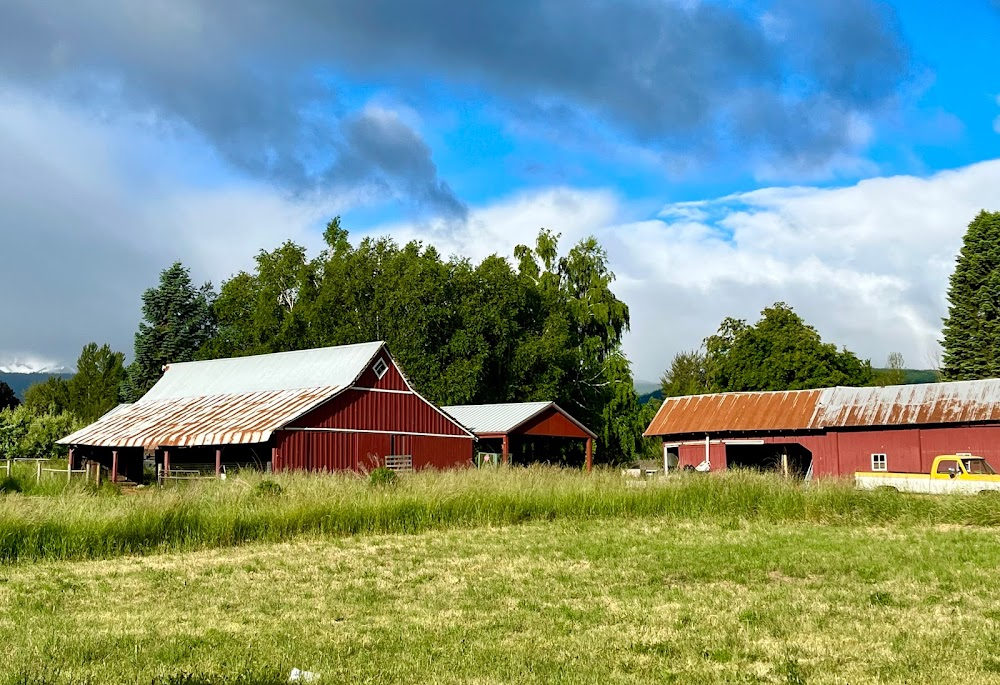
x: 268, y: 488
x: 178, y: 322
x: 8, y: 400
x: 26, y: 433
x: 464, y: 333
x: 971, y: 345
x: 686, y: 376
x: 779, y: 352
x: 51, y: 395
x: 382, y: 477
x: 94, y: 389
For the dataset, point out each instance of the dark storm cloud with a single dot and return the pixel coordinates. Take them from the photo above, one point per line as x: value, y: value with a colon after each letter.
x: 781, y: 77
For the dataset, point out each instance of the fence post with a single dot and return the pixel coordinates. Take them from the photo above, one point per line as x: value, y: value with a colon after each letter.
x: 69, y: 466
x: 38, y: 471
x: 8, y: 468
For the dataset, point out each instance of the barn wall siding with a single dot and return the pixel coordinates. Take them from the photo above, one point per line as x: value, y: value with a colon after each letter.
x: 844, y: 452
x: 365, y: 410
x: 334, y: 451
x: 392, y: 380
x: 551, y: 422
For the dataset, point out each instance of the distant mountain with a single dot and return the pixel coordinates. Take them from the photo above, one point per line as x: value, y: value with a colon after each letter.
x: 651, y: 391
x: 20, y: 382
x: 646, y: 387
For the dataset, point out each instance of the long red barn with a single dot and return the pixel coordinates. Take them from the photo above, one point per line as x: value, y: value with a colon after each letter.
x: 335, y: 408
x: 833, y: 431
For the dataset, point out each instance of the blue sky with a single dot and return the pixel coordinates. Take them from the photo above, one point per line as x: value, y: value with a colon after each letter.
x: 727, y: 154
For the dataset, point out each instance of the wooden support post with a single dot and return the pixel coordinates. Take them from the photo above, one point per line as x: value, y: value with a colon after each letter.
x: 166, y: 463
x: 505, y: 456
x: 97, y: 473
x: 590, y: 454
x: 218, y: 462
x: 784, y: 464
x: 38, y: 471
x: 114, y: 466
x: 69, y: 466
x: 274, y: 458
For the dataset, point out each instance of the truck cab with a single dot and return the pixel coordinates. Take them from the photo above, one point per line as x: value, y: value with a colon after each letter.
x: 961, y: 467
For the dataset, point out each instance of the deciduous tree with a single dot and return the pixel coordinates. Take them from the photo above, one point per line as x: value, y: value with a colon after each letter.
x: 779, y: 352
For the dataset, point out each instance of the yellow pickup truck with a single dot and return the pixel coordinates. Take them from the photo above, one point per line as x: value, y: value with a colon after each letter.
x: 961, y: 473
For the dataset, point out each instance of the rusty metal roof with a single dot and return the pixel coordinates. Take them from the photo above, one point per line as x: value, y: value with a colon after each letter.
x: 897, y: 405
x: 900, y: 405
x: 229, y: 401
x: 735, y: 411
x: 233, y: 419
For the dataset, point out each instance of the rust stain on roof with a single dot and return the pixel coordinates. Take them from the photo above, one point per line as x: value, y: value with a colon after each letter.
x: 898, y: 405
x: 236, y: 418
x: 737, y: 411
x: 903, y: 405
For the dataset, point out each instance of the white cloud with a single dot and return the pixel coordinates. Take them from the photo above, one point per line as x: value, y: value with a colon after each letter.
x: 866, y: 264
x: 91, y: 210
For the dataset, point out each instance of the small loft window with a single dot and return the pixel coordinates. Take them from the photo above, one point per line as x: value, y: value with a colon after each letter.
x: 879, y: 462
x: 380, y: 367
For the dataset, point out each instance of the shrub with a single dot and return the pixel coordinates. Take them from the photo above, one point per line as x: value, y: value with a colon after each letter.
x: 382, y: 476
x: 268, y: 488
x: 10, y: 484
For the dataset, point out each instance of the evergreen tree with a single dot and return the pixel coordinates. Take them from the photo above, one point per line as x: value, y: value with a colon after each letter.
x: 971, y: 342
x: 686, y: 375
x: 178, y: 321
x: 8, y: 400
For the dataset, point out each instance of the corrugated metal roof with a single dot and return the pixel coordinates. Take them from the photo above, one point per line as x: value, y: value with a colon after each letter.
x: 229, y: 401
x: 897, y: 405
x: 489, y: 419
x: 315, y: 368
x: 735, y: 411
x: 233, y: 419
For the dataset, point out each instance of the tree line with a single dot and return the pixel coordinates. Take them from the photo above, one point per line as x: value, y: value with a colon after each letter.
x: 545, y: 325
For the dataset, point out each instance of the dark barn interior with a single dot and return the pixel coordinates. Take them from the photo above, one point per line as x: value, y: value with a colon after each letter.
x: 770, y: 457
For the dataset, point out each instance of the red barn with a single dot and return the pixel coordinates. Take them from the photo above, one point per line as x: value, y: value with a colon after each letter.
x: 832, y: 431
x: 326, y: 409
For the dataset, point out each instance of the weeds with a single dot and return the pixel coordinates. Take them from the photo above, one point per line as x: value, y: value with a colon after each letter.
x: 77, y: 521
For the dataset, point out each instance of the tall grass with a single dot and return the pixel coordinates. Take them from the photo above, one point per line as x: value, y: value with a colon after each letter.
x: 80, y: 522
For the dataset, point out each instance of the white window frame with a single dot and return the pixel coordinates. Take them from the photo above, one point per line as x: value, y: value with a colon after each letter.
x: 380, y: 367
x: 880, y: 462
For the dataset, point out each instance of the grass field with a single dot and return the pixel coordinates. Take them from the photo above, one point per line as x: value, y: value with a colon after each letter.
x: 523, y: 576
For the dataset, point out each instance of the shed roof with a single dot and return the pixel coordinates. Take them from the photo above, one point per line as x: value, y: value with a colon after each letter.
x: 499, y: 419
x: 896, y: 405
x: 230, y: 401
x: 736, y: 411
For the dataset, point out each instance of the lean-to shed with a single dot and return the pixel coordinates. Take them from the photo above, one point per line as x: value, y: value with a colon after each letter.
x: 326, y: 409
x: 524, y: 420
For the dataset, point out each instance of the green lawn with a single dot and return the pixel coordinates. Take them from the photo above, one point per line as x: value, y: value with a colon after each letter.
x: 622, y: 599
